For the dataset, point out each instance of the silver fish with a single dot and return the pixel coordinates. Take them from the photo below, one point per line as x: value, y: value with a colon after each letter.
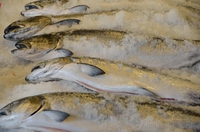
x: 106, y: 76
x: 70, y: 112
x: 119, y: 19
x: 27, y: 27
x: 129, y: 49
x: 43, y: 48
x: 51, y: 7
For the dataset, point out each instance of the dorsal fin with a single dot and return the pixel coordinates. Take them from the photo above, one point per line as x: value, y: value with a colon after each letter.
x: 90, y: 69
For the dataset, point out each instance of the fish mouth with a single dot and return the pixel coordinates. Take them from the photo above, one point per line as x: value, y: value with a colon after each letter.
x: 19, y: 46
x: 31, y: 6
x: 12, y: 27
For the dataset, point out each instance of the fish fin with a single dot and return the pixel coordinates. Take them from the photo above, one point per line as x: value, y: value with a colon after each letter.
x: 64, y: 52
x: 91, y: 70
x: 56, y: 115
x: 68, y: 22
x: 78, y: 9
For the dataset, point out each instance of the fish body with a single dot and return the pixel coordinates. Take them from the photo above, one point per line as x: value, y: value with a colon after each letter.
x: 54, y: 112
x: 125, y: 47
x: 119, y: 19
x: 106, y: 76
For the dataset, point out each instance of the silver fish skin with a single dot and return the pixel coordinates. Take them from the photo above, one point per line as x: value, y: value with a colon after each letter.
x: 51, y: 7
x: 139, y: 50
x: 67, y: 111
x: 106, y: 76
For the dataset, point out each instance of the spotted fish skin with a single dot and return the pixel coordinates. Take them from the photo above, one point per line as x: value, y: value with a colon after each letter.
x: 61, y: 107
x: 116, y: 78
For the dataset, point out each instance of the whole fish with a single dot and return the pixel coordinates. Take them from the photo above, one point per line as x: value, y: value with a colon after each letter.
x: 123, y: 47
x: 120, y: 20
x: 51, y: 7
x: 43, y: 48
x: 27, y: 27
x: 106, y: 76
x: 65, y: 112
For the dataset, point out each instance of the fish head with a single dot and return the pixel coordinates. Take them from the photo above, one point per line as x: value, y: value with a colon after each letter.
x: 43, y: 7
x: 25, y: 28
x: 34, y: 48
x: 44, y: 70
x: 13, y: 114
x: 43, y: 42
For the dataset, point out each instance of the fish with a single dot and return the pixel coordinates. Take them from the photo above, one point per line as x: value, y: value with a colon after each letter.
x: 68, y: 111
x: 43, y: 48
x: 21, y: 29
x: 51, y: 7
x: 139, y: 50
x: 107, y: 76
x: 119, y: 19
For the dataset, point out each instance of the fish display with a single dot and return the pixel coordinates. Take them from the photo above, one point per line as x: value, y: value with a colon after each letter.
x: 24, y: 28
x: 106, y: 76
x: 54, y: 112
x: 105, y: 65
x: 43, y: 48
x: 51, y: 7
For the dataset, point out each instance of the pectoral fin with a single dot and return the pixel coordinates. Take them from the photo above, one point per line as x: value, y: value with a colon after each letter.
x: 78, y: 9
x: 68, y: 22
x: 56, y: 115
x: 90, y: 69
x: 64, y: 52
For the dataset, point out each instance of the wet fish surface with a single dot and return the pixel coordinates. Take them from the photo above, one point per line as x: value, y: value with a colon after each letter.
x: 66, y: 112
x: 107, y: 76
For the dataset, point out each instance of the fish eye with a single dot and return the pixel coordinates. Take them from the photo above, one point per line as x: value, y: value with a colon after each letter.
x: 35, y: 68
x: 10, y: 28
x: 3, y: 113
x: 20, y: 46
x: 29, y: 7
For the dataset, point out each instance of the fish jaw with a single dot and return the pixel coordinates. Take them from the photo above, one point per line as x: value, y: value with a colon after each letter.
x: 29, y: 54
x: 25, y: 28
x: 39, y: 12
x: 13, y: 114
x: 40, y: 55
x: 44, y: 70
